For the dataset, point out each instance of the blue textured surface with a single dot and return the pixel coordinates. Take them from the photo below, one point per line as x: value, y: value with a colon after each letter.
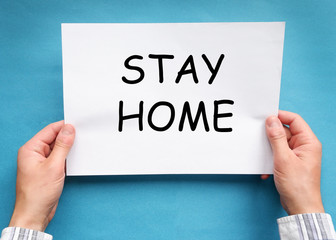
x: 161, y: 207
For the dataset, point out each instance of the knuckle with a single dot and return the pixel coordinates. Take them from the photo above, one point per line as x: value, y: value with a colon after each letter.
x: 318, y: 146
x: 277, y: 134
x: 61, y: 144
x: 296, y: 115
x: 51, y: 125
x: 21, y: 149
x: 65, y: 141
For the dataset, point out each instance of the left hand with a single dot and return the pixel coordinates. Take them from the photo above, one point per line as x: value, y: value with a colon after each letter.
x: 40, y: 176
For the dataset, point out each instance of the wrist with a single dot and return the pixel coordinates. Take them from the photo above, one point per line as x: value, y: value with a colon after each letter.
x: 306, y: 210
x: 305, y: 207
x: 27, y: 221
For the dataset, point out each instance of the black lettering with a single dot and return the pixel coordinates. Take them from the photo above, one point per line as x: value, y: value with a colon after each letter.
x: 122, y: 117
x: 213, y: 71
x: 193, y: 124
x: 139, y: 69
x: 160, y: 58
x: 221, y: 115
x: 171, y: 120
x: 184, y: 71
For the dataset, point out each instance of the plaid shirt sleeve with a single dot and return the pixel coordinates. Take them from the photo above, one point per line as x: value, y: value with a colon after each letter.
x: 16, y: 233
x: 309, y: 226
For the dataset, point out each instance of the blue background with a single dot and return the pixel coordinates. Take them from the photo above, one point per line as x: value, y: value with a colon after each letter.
x: 173, y: 206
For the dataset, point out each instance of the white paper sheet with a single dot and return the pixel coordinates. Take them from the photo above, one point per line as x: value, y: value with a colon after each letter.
x: 93, y: 66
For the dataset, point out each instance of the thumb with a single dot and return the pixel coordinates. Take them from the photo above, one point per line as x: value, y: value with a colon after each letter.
x: 277, y: 136
x: 63, y: 142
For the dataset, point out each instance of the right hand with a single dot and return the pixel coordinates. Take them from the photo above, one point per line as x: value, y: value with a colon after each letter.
x: 297, y: 163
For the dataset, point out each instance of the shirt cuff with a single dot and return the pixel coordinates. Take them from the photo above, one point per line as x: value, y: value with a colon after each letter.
x: 306, y: 226
x: 14, y: 233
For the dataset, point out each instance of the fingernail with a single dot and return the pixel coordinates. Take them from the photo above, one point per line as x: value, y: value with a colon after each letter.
x: 68, y: 129
x: 273, y: 122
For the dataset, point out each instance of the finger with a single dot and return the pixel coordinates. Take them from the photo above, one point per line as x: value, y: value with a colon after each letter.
x: 40, y: 142
x: 264, y: 176
x: 51, y: 147
x: 277, y: 136
x: 63, y: 143
x: 48, y: 134
x: 295, y: 122
x: 288, y: 133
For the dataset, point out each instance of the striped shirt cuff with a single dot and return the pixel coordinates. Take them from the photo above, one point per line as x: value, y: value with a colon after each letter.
x: 16, y: 233
x: 306, y: 227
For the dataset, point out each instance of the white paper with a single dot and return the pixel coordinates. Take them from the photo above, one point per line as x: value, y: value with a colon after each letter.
x: 93, y: 67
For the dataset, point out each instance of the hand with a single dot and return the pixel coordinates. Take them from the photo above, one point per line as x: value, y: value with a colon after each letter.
x: 297, y: 163
x: 40, y: 176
